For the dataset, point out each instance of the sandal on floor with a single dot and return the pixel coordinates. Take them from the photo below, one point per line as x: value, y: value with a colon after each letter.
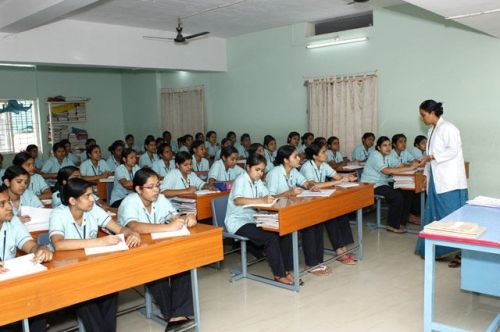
x: 321, y: 270
x: 346, y: 260
x: 291, y: 279
x: 455, y: 262
x: 283, y: 280
x: 351, y: 256
x: 395, y: 230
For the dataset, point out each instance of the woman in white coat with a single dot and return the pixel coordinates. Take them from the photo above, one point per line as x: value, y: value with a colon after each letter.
x: 444, y: 168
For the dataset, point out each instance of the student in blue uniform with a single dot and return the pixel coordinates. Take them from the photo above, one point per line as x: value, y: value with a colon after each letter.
x: 378, y: 172
x: 167, y: 138
x: 334, y: 157
x: 166, y: 162
x: 37, y: 183
x: 88, y: 142
x: 150, y: 154
x: 212, y: 145
x: 74, y: 225
x: 269, y: 151
x: 56, y: 162
x: 14, y: 236
x: 17, y: 179
x: 199, y: 162
x: 182, y: 180
x: 64, y: 174
x: 223, y: 144
x: 146, y: 211
x: 67, y: 150
x: 94, y: 168
x: 399, y: 155
x: 32, y: 149
x: 225, y: 169
x: 339, y: 231
x: 362, y: 151
x: 305, y: 140
x: 419, y: 146
x: 185, y: 143
x: 130, y: 143
x: 293, y: 139
x: 249, y: 189
x: 243, y: 146
x: 199, y: 136
x: 115, y: 155
x: 123, y: 177
x: 231, y: 135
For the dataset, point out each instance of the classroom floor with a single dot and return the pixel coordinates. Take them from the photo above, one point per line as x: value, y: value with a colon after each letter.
x: 384, y: 292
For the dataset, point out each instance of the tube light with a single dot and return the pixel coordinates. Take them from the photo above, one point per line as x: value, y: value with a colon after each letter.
x: 472, y: 14
x: 16, y: 65
x: 336, y: 41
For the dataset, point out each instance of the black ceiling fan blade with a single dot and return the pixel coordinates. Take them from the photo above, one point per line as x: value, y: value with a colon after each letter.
x: 197, y: 35
x: 157, y: 38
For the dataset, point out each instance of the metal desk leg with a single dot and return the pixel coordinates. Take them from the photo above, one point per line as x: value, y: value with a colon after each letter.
x: 359, y: 221
x: 422, y: 205
x: 429, y: 284
x: 26, y: 325
x: 196, y: 298
x: 295, y: 252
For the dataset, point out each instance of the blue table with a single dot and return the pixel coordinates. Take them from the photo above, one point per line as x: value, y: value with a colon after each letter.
x: 482, y: 253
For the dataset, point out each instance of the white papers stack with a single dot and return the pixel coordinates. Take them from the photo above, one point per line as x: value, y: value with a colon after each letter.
x: 260, y: 205
x: 39, y: 218
x: 485, y: 201
x: 106, y: 249
x: 455, y: 229
x: 21, y: 266
x: 353, y: 166
x: 404, y: 181
x: 321, y: 193
x: 205, y: 192
x: 110, y: 178
x: 269, y: 220
x: 184, y: 231
x: 184, y: 205
x: 347, y: 184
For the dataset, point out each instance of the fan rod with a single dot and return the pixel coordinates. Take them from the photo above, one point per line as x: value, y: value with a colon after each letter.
x: 214, y: 8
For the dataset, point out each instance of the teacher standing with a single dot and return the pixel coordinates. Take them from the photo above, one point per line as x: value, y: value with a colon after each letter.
x: 444, y: 168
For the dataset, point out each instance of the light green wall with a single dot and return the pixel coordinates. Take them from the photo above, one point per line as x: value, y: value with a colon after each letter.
x: 417, y: 56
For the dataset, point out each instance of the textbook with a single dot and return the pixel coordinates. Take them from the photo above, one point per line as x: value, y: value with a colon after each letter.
x: 122, y: 245
x: 21, y: 266
x: 321, y: 193
x: 260, y: 205
x: 184, y: 231
x: 485, y: 201
x: 39, y: 218
x: 455, y: 229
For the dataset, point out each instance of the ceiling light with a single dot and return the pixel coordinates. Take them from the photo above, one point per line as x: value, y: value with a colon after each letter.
x: 473, y: 14
x: 16, y: 65
x: 336, y: 41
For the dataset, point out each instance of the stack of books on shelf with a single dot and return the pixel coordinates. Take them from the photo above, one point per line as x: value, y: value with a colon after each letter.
x: 60, y: 132
x: 267, y: 220
x: 184, y: 205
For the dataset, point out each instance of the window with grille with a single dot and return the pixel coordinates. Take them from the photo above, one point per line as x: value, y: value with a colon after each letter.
x: 19, y: 125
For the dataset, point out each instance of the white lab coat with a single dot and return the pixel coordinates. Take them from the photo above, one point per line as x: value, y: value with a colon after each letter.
x: 448, y: 168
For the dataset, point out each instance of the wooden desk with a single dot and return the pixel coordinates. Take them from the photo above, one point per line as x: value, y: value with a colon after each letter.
x: 203, y: 203
x: 73, y: 277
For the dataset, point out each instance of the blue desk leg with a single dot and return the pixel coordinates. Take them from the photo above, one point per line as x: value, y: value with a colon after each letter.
x: 295, y: 252
x: 429, y: 284
x: 359, y: 221
x: 196, y: 298
x: 422, y: 204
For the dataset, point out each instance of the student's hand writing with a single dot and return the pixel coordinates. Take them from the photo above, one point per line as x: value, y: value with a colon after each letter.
x: 109, y: 240
x: 133, y: 239
x: 190, y: 220
x: 42, y: 254
x: 315, y: 188
x: 176, y: 224
x: 2, y: 268
x: 191, y: 190
x: 294, y: 191
x: 24, y: 219
x: 352, y: 178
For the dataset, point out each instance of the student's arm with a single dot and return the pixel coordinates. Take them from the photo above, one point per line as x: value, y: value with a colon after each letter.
x: 397, y: 170
x: 42, y: 253
x: 336, y: 165
x: 96, y: 178
x: 132, y: 238
x: 146, y: 228
x: 259, y: 200
x: 127, y: 184
x: 61, y: 244
x: 177, y: 192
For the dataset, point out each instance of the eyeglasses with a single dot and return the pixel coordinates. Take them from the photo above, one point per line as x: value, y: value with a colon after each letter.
x: 151, y: 187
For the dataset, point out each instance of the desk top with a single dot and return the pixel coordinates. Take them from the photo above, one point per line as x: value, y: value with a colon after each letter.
x: 484, y: 216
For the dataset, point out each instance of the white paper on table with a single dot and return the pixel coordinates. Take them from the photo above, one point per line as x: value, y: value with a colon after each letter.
x: 260, y: 205
x: 110, y: 178
x: 205, y: 192
x: 353, y: 167
x: 122, y: 245
x: 347, y: 184
x: 321, y: 193
x: 184, y: 231
x: 21, y: 266
x: 485, y: 201
x: 39, y: 218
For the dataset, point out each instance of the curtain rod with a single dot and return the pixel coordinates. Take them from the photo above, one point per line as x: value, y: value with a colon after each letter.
x: 315, y: 78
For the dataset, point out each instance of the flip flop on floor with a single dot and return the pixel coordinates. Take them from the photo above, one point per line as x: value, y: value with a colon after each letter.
x: 395, y: 230
x: 321, y: 270
x: 347, y: 260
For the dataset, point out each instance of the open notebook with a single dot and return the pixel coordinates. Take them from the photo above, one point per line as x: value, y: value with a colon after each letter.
x: 39, y: 218
x: 21, y: 266
x: 122, y: 245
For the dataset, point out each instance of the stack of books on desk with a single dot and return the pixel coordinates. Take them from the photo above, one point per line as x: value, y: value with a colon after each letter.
x: 404, y: 181
x: 184, y: 205
x: 455, y: 229
x: 267, y: 220
x: 485, y: 201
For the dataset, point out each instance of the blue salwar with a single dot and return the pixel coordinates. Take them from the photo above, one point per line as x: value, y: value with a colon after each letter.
x: 438, y: 206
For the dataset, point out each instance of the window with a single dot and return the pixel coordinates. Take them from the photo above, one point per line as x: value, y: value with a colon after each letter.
x: 19, y: 125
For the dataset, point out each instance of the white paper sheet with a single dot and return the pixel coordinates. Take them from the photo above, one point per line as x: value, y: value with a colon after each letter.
x: 321, y: 193
x: 485, y: 201
x: 353, y: 167
x: 205, y: 192
x: 164, y: 235
x: 39, y: 218
x: 21, y: 266
x: 347, y: 185
x: 106, y: 249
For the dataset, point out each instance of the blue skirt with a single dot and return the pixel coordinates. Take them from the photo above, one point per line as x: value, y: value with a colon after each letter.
x: 437, y: 207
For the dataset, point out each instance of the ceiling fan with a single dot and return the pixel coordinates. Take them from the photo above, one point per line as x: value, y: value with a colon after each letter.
x: 357, y: 1
x: 180, y: 38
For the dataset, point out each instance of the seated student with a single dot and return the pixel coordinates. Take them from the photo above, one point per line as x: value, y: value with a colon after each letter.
x: 231, y: 135
x: 115, y: 157
x: 225, y: 169
x: 200, y: 164
x: 419, y: 147
x: 377, y: 171
x: 64, y: 174
x: 166, y: 162
x: 293, y: 139
x: 182, y: 180
x: 2, y: 171
x: 362, y: 151
x: 32, y: 149
x: 399, y: 156
x: 130, y: 143
x: 74, y: 225
x: 319, y: 140
x: 37, y: 184
x: 212, y: 145
x: 224, y: 143
x: 269, y: 151
x: 339, y: 230
x: 15, y: 237
x: 16, y: 180
x: 123, y: 177
x: 56, y: 162
x: 167, y: 138
x: 247, y: 189
x: 242, y: 148
x: 94, y: 168
x: 306, y: 140
x: 159, y: 140
x: 150, y: 154
x: 185, y: 143
x: 88, y: 142
x: 67, y: 151
x: 256, y: 148
x: 146, y: 211
x: 199, y: 137
x: 334, y: 156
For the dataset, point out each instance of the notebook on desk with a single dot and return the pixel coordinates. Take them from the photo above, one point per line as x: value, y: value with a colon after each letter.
x: 455, y: 229
x: 21, y: 266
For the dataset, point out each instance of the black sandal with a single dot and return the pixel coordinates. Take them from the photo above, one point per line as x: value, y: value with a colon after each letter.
x: 455, y: 262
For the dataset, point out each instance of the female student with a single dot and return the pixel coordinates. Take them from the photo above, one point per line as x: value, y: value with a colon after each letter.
x: 166, y: 162
x: 16, y: 179
x: 362, y: 151
x: 224, y: 143
x: 167, y: 138
x: 242, y: 148
x: 130, y: 143
x: 56, y: 162
x: 293, y: 139
x: 64, y: 174
x: 74, y: 225
x: 94, y: 168
x: 199, y: 137
x: 378, y: 172
x: 334, y: 156
x: 14, y: 236
x: 185, y: 143
x: 399, y: 155
x: 32, y: 149
x: 123, y: 177
x: 37, y: 184
x: 150, y: 154
x: 231, y: 135
x: 146, y: 211
x: 269, y: 151
x: 115, y: 156
x: 88, y: 142
x: 306, y: 140
x: 339, y: 230
x: 419, y: 146
x: 182, y: 180
x: 200, y: 164
x: 225, y: 169
x: 212, y: 145
x: 249, y: 189
x: 67, y: 150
